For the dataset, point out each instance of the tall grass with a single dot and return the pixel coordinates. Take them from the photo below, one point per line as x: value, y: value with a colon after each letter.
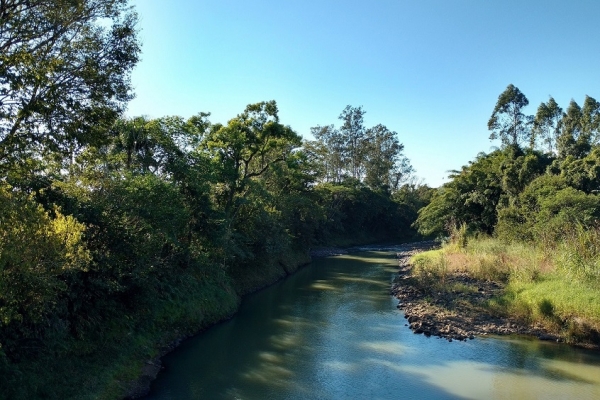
x: 556, y: 286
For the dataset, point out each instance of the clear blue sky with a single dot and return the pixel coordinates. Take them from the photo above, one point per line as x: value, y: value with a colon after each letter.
x: 429, y: 70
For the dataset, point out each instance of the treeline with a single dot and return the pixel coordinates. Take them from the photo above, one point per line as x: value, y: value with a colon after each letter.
x: 118, y: 235
x: 540, y: 186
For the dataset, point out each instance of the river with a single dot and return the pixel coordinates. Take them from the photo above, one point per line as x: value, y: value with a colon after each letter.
x: 332, y: 331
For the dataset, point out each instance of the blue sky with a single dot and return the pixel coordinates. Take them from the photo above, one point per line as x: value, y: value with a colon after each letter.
x: 429, y: 70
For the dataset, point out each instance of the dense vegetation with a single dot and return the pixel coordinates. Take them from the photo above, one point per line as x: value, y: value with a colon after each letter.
x: 118, y: 235
x: 529, y: 214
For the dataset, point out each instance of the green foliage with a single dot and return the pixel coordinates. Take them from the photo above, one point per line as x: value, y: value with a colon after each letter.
x: 582, y: 173
x: 38, y: 255
x: 547, y: 124
x: 411, y: 197
x: 573, y: 141
x: 546, y: 209
x: 64, y: 74
x: 476, y: 194
x: 356, y: 212
x: 246, y: 148
x: 372, y: 156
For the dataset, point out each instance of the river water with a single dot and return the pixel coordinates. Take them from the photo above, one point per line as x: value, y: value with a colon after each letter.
x: 332, y: 331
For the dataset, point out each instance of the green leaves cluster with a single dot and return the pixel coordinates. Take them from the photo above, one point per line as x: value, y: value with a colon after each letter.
x: 563, y: 133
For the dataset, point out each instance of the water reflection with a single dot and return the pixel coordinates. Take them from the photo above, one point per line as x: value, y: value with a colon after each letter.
x: 332, y: 331
x: 474, y: 380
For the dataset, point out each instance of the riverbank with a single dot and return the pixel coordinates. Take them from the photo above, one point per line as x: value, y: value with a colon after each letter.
x: 243, y: 282
x: 458, y: 314
x: 442, y: 297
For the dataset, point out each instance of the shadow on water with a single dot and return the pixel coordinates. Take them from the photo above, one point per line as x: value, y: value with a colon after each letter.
x: 332, y: 331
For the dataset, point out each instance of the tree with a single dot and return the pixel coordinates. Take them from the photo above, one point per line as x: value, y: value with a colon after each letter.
x: 548, y: 123
x: 508, y: 123
x: 385, y: 166
x: 156, y: 145
x: 573, y: 140
x: 590, y: 119
x: 371, y: 156
x: 329, y: 149
x: 64, y: 73
x: 476, y: 193
x: 133, y: 139
x: 353, y: 133
x: 247, y: 146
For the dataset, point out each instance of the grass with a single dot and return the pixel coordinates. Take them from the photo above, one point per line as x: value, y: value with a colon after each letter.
x: 557, y: 287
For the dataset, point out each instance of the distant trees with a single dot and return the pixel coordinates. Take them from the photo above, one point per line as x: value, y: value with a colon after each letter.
x: 525, y: 194
x: 247, y: 146
x: 565, y: 133
x: 353, y: 133
x: 373, y: 156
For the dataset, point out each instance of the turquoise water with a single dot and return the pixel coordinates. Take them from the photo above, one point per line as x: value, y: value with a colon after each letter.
x: 332, y: 331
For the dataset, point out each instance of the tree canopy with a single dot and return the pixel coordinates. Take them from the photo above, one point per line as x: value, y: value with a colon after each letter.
x: 64, y: 73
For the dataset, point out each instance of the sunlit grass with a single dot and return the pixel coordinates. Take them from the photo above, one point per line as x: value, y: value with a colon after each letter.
x: 556, y: 287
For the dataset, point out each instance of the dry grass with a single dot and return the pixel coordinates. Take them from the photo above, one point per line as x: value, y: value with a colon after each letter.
x: 557, y: 288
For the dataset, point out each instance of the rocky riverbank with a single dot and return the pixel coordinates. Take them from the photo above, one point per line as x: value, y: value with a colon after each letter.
x: 454, y: 315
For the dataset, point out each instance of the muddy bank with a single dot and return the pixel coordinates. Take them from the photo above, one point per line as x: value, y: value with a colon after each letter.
x: 455, y: 315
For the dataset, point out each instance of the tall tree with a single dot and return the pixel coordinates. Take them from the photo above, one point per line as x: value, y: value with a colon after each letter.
x: 590, y: 119
x: 508, y: 123
x: 573, y: 141
x: 385, y: 166
x: 330, y: 149
x: 547, y: 123
x: 353, y: 132
x: 64, y: 73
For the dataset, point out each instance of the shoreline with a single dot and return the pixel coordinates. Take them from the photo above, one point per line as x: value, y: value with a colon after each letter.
x: 458, y: 315
x: 140, y: 387
x: 452, y: 316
